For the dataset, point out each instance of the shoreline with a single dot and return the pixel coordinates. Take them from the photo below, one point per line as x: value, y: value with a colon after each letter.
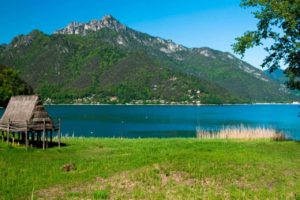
x: 196, y: 105
x: 193, y: 105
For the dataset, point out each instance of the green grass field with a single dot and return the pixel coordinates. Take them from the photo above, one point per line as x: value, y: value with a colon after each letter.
x: 153, y: 169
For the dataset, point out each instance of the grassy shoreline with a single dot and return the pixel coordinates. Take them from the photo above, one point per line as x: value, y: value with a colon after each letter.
x: 153, y: 169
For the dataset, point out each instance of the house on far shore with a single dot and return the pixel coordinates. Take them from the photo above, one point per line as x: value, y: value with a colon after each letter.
x: 26, y: 121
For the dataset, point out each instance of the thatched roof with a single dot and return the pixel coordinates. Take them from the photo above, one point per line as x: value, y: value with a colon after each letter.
x: 20, y: 108
x: 27, y: 109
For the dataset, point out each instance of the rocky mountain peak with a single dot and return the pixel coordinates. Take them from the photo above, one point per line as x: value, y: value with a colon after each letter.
x: 79, y: 28
x: 108, y: 18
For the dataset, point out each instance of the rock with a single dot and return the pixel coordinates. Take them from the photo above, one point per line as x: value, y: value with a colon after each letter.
x: 78, y: 28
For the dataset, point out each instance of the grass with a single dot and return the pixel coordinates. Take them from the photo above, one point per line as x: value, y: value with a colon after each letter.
x: 242, y: 132
x: 153, y: 169
x: 101, y: 194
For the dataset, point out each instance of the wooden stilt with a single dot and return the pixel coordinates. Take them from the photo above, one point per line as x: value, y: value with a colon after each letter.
x: 58, y: 133
x: 38, y: 138
x: 26, y: 134
x: 32, y: 138
x: 35, y: 137
x: 7, y: 134
x: 13, y: 138
x: 51, y: 135
x: 44, y: 134
x: 46, y: 139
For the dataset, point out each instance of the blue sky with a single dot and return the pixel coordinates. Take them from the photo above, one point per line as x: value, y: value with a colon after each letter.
x: 193, y: 23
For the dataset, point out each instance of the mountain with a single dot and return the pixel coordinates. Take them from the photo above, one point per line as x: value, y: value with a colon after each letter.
x: 106, y: 61
x: 11, y: 84
x: 277, y: 75
x: 280, y: 77
x: 95, y: 25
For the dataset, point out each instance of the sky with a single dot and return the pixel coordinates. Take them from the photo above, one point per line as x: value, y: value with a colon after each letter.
x: 192, y: 23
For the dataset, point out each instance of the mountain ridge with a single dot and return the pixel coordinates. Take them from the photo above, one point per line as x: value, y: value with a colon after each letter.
x: 82, y: 28
x: 73, y: 62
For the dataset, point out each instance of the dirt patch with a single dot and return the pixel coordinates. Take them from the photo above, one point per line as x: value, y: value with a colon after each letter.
x: 69, y: 167
x: 143, y: 183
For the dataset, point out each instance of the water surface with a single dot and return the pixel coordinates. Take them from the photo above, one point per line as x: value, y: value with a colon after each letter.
x: 171, y: 121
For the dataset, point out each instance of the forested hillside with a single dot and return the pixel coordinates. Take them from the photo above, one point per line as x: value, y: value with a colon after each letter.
x: 104, y: 61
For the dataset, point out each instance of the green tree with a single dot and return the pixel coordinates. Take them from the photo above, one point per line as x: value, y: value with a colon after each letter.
x: 11, y: 84
x: 278, y: 21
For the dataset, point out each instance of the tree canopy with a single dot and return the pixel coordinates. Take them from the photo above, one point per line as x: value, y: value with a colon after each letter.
x: 11, y: 84
x: 278, y: 21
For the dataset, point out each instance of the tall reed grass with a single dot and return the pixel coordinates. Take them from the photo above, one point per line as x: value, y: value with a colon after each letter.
x: 241, y: 132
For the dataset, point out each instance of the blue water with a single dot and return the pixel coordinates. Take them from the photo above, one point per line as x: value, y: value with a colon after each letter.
x: 171, y: 121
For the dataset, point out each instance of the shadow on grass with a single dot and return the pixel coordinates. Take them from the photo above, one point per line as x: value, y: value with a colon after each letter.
x: 37, y: 144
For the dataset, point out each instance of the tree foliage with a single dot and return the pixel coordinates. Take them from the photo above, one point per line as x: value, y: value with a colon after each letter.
x: 11, y: 84
x: 278, y: 21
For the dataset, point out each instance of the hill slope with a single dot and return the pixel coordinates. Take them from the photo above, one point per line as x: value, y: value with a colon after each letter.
x: 280, y: 77
x: 101, y: 59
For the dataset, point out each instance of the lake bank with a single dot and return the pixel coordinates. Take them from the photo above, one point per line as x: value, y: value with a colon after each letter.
x: 153, y: 168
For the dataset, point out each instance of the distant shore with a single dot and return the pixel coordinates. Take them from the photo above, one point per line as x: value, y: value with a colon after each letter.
x: 238, y: 104
x: 128, y: 104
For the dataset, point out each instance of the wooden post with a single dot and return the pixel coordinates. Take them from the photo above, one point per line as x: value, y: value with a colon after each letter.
x: 19, y: 137
x: 7, y: 134
x: 26, y: 134
x: 51, y: 137
x: 58, y: 133
x: 38, y: 137
x: 13, y: 138
x: 32, y: 137
x: 46, y: 139
x: 44, y: 134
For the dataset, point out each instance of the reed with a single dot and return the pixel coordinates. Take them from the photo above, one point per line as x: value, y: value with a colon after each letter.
x: 241, y: 132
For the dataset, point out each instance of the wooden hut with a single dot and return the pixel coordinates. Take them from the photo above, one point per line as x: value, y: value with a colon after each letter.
x: 27, y: 117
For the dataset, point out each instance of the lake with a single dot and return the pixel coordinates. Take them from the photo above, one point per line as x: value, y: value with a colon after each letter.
x: 171, y: 121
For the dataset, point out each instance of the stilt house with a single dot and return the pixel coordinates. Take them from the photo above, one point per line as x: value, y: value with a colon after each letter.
x: 27, y: 117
